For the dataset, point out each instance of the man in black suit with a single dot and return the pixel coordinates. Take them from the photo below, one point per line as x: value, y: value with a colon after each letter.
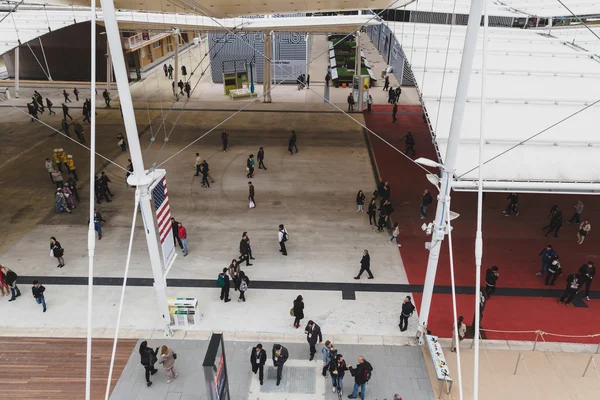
x: 313, y: 331
x: 280, y: 356
x: 175, y: 227
x: 258, y: 358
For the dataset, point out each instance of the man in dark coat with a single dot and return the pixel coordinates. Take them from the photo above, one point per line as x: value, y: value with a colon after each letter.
x: 555, y: 223
x: 407, y: 309
x: 361, y: 374
x: 261, y: 158
x: 258, y: 358
x: 280, y: 356
x: 245, y: 251
x: 251, y: 192
x: 313, y: 332
x: 365, y: 265
x: 513, y: 204
x: 175, y: 228
x: 426, y: 200
x: 587, y: 273
x: 224, y: 140
x: 394, y: 111
x: 573, y: 285
x: 409, y: 142
x: 491, y: 276
x: 226, y: 285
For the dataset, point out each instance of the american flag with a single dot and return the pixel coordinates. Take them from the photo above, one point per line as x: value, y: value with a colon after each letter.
x: 163, y: 212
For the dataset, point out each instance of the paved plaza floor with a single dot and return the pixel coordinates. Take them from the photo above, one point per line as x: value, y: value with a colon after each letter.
x: 396, y: 369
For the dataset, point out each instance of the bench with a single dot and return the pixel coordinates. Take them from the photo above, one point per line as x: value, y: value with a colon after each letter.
x: 239, y: 93
x: 439, y: 363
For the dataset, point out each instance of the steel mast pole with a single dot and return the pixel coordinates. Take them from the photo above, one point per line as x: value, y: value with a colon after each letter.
x: 447, y: 172
x: 138, y: 178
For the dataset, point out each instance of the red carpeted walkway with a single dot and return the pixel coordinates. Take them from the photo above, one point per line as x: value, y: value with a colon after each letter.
x: 511, y: 243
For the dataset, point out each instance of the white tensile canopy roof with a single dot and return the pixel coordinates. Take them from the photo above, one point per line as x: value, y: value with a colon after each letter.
x: 32, y: 24
x: 533, y: 81
x: 512, y: 8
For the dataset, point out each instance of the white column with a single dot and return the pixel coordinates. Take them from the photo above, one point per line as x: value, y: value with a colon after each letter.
x: 447, y: 172
x: 17, y: 67
x: 268, y: 56
x: 139, y: 177
x: 357, y: 58
x: 176, y: 75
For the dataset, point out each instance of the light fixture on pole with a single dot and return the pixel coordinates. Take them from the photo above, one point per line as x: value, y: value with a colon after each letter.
x: 429, y: 163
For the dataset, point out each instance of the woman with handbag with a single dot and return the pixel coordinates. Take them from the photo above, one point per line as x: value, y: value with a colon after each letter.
x: 244, y: 283
x: 297, y: 311
x: 57, y: 251
x: 167, y: 359
x: 148, y: 359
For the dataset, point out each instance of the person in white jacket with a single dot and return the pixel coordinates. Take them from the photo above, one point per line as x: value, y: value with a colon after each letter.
x: 283, y: 237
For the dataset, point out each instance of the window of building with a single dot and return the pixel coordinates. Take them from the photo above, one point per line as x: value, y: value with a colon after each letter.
x: 156, y: 44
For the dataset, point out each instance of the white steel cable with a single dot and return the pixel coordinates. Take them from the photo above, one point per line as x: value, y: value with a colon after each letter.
x: 38, y: 61
x: 124, y: 286
x: 454, y: 311
x: 437, y: 116
x: 63, y: 134
x: 91, y: 224
x: 479, y: 233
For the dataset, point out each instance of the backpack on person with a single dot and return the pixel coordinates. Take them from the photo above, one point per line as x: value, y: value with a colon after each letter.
x: 367, y: 372
x: 243, y: 285
x: 221, y: 281
x: 285, y: 236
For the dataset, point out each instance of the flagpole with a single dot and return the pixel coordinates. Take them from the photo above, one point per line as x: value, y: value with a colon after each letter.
x: 139, y: 178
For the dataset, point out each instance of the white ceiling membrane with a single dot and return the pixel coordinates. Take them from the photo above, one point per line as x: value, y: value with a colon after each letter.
x: 533, y: 82
x: 512, y: 8
x: 237, y: 8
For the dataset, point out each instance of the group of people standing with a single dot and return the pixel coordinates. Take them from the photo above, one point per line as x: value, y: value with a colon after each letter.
x: 556, y: 220
x: 66, y: 191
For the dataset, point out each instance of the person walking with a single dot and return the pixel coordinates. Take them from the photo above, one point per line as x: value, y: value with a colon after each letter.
x: 86, y: 113
x: 98, y: 220
x: 391, y: 95
x: 36, y: 106
x: 166, y: 70
x: 244, y: 283
x: 462, y: 331
x: 10, y: 277
x: 382, y: 220
x: 258, y: 359
x: 584, y: 228
x: 106, y: 97
x: 362, y: 375
x: 365, y: 265
x: 386, y: 84
x: 555, y: 224
x: 224, y: 140
x: 313, y: 332
x: 65, y: 127
x: 251, y: 201
x: 573, y: 284
x: 350, y: 102
x: 513, y: 204
x: 71, y: 166
x: 294, y: 141
x: 426, y: 200
x: 61, y: 202
x: 337, y: 370
x: 182, y: 234
x: 49, y: 167
x: 283, y: 237
x: 407, y: 310
x: 369, y: 103
x: 224, y: 283
x: 554, y: 270
x: 65, y: 111
x: 360, y: 200
x: 204, y: 171
x: 76, y: 93
x: 587, y: 273
x: 148, y: 359
x: 57, y: 251
x: 66, y: 189
x: 234, y: 273
x: 180, y: 85
x: 250, y: 166
x: 175, y: 229
x: 548, y: 255
x: 409, y: 143
x: 187, y: 89
x: 394, y: 111
x: 280, y: 356
x: 121, y: 142
x: 245, y: 250
x: 328, y: 352
x: 104, y: 181
x: 261, y: 158
x: 170, y: 70
x: 491, y: 276
x: 372, y: 212
x: 49, y: 105
x: 298, y: 311
x: 577, y: 215
x: 66, y: 96
x: 198, y: 164
x: 79, y: 131
x: 395, y: 234
x: 167, y: 359
x: 32, y: 112
x: 38, y: 294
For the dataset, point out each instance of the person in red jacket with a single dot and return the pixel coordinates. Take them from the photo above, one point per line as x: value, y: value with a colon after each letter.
x: 182, y: 234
